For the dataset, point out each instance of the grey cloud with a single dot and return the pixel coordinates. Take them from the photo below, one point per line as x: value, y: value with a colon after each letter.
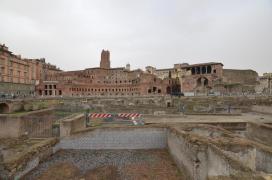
x: 72, y: 33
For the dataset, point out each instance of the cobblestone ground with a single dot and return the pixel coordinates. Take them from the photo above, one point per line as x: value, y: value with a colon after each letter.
x: 107, y: 164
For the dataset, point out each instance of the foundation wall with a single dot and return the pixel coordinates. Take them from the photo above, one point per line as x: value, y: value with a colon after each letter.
x: 259, y: 132
x: 217, y: 165
x: 33, y: 124
x: 9, y: 127
x: 263, y: 161
x: 196, y: 157
x: 245, y: 155
x: 116, y: 138
x: 191, y: 159
x: 200, y: 160
x: 23, y: 163
x: 262, y: 109
x: 72, y: 124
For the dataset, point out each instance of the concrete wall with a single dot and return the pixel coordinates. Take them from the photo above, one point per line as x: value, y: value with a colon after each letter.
x: 33, y: 124
x: 116, y: 138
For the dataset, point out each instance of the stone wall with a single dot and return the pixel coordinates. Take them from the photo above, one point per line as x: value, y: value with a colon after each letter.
x: 26, y: 161
x: 263, y: 160
x: 33, y: 124
x: 9, y: 127
x: 188, y: 156
x: 72, y: 124
x: 200, y: 151
x: 197, y: 160
x: 116, y: 138
x: 200, y: 158
x: 259, y: 132
x: 17, y: 89
x: 262, y: 109
x: 10, y: 107
x: 246, y: 77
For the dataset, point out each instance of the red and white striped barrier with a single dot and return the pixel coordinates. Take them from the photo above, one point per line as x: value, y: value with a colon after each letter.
x: 129, y: 115
x: 100, y: 115
x: 106, y: 115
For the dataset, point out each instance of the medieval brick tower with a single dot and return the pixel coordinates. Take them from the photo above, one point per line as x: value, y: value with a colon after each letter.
x: 105, y: 59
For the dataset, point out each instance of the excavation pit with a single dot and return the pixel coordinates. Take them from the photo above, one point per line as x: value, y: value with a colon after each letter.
x: 187, y: 151
x: 108, y: 164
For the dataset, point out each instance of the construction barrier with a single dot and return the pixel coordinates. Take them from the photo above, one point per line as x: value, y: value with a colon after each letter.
x: 121, y: 115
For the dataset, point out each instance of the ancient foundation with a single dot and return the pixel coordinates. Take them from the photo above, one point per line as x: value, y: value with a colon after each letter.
x: 199, y: 151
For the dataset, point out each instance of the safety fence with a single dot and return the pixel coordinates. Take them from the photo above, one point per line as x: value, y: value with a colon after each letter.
x: 114, y: 118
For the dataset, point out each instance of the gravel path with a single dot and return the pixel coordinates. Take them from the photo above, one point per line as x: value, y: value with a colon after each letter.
x: 89, y: 159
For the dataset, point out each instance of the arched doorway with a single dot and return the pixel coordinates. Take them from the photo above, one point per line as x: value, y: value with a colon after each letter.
x: 202, y: 86
x: 4, y: 108
x: 202, y: 82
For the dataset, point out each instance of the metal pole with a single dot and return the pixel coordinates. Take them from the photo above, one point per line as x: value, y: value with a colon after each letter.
x: 269, y: 85
x: 87, y: 118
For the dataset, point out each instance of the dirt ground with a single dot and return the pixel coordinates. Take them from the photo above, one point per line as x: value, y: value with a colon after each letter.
x: 108, y: 164
x: 13, y: 146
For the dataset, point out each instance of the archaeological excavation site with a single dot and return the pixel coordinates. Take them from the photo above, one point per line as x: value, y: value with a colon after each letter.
x: 176, y: 138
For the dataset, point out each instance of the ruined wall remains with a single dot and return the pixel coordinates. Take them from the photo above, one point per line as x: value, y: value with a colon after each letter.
x: 203, y: 154
x: 259, y: 132
x: 262, y: 109
x: 116, y: 138
x: 233, y: 76
x: 72, y: 124
x: 17, y: 89
x: 24, y: 162
x: 200, y: 151
x: 188, y: 156
x: 263, y: 161
x: 33, y: 124
x: 9, y: 127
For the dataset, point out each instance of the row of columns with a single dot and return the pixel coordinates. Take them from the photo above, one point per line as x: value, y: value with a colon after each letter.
x: 201, y: 70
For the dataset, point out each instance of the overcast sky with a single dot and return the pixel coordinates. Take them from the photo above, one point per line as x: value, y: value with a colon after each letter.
x: 72, y: 33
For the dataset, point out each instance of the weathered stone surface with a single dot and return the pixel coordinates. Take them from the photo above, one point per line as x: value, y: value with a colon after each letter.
x: 116, y: 138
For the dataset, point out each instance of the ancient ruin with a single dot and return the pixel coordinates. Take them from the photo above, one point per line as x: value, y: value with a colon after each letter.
x: 209, y: 139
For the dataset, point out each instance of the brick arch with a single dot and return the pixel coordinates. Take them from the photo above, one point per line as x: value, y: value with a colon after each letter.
x: 4, y: 108
x: 202, y: 81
